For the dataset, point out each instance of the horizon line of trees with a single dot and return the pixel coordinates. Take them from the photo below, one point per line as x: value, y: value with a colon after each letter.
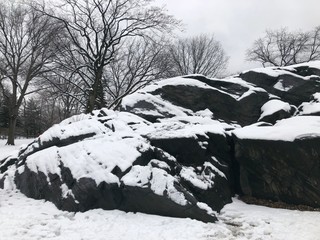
x: 60, y: 59
x: 81, y: 55
x: 281, y: 47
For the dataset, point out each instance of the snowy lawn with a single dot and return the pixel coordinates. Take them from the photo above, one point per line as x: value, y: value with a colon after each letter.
x: 22, y: 218
x: 6, y: 150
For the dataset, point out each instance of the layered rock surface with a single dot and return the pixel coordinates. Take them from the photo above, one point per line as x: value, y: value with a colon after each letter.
x: 116, y: 160
x: 267, y: 161
x: 281, y: 162
x: 183, y: 147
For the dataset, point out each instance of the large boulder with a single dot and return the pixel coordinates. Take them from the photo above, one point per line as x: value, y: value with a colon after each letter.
x: 183, y: 147
x: 201, y: 146
x: 311, y: 108
x: 281, y: 162
x: 116, y: 160
x: 275, y: 110
x: 183, y: 96
x: 294, y: 84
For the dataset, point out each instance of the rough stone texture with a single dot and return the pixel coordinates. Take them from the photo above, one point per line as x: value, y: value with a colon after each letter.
x: 60, y: 183
x: 280, y: 170
x: 192, y: 152
x: 299, y: 89
x: 311, y: 108
x: 278, y: 115
x: 219, y: 99
x: 245, y: 111
x: 173, y: 149
x: 7, y: 162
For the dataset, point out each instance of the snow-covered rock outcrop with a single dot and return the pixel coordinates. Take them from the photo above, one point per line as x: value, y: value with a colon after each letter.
x: 183, y: 147
x: 281, y: 162
x: 256, y: 99
x: 274, y: 110
x: 230, y: 100
x: 312, y: 107
x: 117, y: 160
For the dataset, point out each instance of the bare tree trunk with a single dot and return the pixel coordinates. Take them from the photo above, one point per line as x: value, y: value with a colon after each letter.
x: 28, y: 45
x: 91, y: 101
x: 95, y: 91
x: 11, y: 130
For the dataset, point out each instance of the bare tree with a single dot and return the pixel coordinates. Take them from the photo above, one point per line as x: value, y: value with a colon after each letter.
x: 97, y: 28
x: 4, y: 112
x: 58, y: 101
x: 197, y: 55
x: 283, y: 48
x: 27, y: 45
x: 65, y: 90
x: 138, y: 63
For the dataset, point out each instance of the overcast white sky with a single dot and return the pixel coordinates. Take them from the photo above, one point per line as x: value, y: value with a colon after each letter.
x: 237, y: 23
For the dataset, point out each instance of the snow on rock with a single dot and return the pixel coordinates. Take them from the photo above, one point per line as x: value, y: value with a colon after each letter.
x: 281, y: 162
x: 312, y: 65
x: 280, y: 85
x: 275, y: 110
x: 293, y: 70
x: 291, y: 129
x: 107, y: 159
x: 312, y: 107
x: 189, y: 127
x: 202, y: 181
x: 183, y: 147
x: 152, y: 106
x: 158, y: 180
x: 294, y: 84
x: 273, y: 106
x: 277, y: 161
x: 190, y: 95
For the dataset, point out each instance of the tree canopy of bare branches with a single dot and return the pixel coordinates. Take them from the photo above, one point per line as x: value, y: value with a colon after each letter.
x: 197, y: 55
x: 283, y: 48
x: 98, y: 28
x: 137, y: 64
x: 27, y: 45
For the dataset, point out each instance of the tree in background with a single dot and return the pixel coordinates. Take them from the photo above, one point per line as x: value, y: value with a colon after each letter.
x: 64, y: 92
x: 32, y: 122
x: 87, y: 54
x: 27, y: 44
x: 197, y: 55
x: 136, y: 64
x: 283, y: 48
x: 98, y: 28
x: 4, y: 112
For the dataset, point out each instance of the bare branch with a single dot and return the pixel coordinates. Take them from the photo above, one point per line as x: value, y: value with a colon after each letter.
x: 198, y: 55
x: 283, y: 48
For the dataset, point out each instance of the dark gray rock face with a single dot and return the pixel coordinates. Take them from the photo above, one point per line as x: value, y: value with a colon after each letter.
x: 274, y: 117
x: 206, y: 155
x: 115, y: 161
x: 296, y: 88
x: 293, y: 85
x: 218, y: 96
x: 311, y: 108
x: 183, y: 147
x: 280, y: 170
x: 275, y: 110
x: 281, y: 162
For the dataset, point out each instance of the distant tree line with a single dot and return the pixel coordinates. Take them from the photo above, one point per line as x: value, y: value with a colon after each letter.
x: 282, y: 47
x: 60, y: 59
x: 57, y: 60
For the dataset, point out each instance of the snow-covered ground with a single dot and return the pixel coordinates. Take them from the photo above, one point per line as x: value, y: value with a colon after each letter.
x: 6, y: 150
x: 22, y: 218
